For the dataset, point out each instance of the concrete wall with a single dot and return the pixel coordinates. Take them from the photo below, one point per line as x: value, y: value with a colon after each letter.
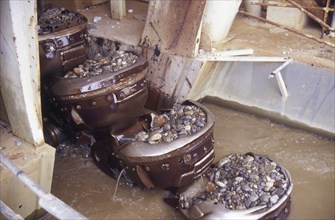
x: 245, y: 84
x: 20, y: 89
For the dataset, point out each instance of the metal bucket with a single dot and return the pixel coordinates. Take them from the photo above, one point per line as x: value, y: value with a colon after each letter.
x: 62, y: 44
x: 112, y: 99
x: 163, y: 165
x: 211, y: 197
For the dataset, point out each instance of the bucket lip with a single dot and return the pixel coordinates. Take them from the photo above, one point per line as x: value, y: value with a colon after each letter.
x: 137, y: 151
x: 76, y: 86
x: 64, y: 28
x: 257, y: 212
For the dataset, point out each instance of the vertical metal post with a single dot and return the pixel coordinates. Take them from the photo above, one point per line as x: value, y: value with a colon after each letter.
x: 281, y: 84
x: 279, y: 78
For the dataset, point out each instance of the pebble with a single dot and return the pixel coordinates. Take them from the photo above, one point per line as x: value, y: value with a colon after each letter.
x: 274, y: 199
x: 154, y: 137
x: 96, y: 19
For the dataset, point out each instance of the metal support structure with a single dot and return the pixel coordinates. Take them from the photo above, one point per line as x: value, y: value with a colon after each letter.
x: 279, y: 78
x: 229, y: 56
x: 47, y: 201
x: 220, y: 57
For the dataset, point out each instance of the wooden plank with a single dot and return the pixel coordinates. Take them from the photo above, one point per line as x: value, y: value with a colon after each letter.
x: 118, y: 9
x: 174, y: 26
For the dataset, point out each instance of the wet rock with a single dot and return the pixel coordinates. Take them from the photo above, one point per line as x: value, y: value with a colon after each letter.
x: 180, y: 121
x: 265, y: 198
x: 155, y: 137
x: 274, y: 199
x: 142, y: 136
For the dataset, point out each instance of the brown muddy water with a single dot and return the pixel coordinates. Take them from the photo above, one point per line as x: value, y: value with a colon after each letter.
x: 309, y: 158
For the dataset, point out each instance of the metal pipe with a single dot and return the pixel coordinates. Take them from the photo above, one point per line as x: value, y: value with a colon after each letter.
x: 282, y: 66
x: 227, y: 53
x: 288, y: 28
x: 8, y: 213
x: 322, y: 23
x: 49, y: 202
x: 209, y: 57
x: 279, y: 78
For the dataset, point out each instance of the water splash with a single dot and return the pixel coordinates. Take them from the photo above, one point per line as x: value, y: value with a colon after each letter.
x: 117, y: 183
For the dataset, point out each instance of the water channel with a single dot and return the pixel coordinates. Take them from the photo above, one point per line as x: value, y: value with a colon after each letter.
x: 309, y: 158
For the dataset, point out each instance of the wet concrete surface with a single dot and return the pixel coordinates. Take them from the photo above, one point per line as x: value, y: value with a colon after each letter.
x: 309, y: 158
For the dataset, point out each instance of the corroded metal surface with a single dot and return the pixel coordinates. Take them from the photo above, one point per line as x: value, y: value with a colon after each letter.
x: 106, y: 99
x: 63, y: 41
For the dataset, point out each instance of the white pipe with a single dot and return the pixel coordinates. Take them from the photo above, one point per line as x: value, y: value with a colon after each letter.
x: 49, y: 202
x: 281, y: 84
x: 8, y: 213
x: 282, y: 66
x: 241, y: 52
x: 279, y: 78
x: 243, y: 58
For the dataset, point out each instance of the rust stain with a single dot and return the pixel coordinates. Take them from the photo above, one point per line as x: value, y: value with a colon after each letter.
x: 16, y: 156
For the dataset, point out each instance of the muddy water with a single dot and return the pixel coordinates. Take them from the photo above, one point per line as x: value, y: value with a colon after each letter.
x: 309, y: 158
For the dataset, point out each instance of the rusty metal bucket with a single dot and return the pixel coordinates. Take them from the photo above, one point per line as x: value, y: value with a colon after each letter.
x: 163, y: 165
x: 111, y: 99
x: 194, y: 206
x: 62, y: 46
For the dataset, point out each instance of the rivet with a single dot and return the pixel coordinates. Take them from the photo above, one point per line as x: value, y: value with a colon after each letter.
x: 187, y: 158
x: 165, y: 166
x: 60, y: 42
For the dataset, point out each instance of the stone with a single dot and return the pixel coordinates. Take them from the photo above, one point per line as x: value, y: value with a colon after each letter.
x: 274, y: 199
